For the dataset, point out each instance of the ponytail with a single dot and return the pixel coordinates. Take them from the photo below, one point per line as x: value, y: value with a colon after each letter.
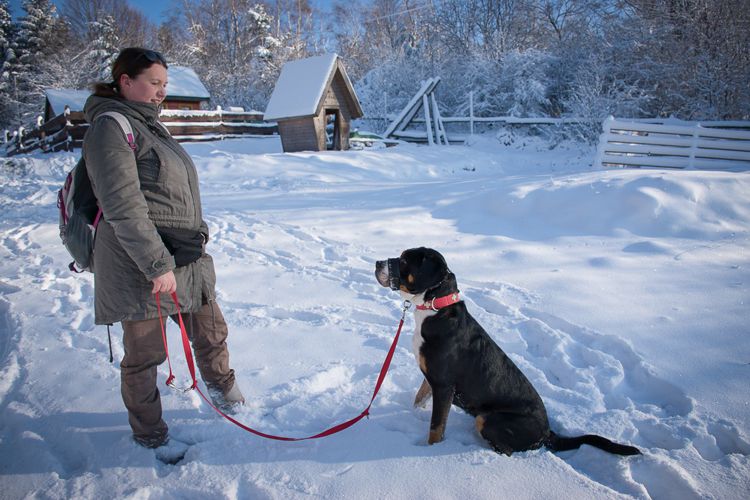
x: 104, y: 89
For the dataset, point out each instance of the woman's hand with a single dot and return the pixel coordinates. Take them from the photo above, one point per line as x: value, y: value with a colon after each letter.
x: 165, y: 283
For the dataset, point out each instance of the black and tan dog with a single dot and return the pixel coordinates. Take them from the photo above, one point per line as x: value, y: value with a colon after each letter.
x: 462, y: 365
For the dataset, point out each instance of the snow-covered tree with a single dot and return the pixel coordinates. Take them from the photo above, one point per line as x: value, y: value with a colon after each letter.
x: 131, y: 27
x: 5, y: 31
x: 35, y: 61
x: 6, y: 35
x: 234, y: 50
x: 96, y: 62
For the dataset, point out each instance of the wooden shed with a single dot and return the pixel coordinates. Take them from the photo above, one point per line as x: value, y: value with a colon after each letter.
x: 55, y: 101
x: 313, y: 103
x: 184, y: 91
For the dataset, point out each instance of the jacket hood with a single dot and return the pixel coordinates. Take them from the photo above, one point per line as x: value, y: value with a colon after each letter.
x: 95, y: 105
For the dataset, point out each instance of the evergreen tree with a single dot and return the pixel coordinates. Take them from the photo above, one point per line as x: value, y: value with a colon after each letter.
x: 36, y: 62
x: 96, y: 62
x: 6, y: 35
x: 5, y: 31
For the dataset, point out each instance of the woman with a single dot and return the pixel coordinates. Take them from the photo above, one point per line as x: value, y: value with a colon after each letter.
x: 151, y: 240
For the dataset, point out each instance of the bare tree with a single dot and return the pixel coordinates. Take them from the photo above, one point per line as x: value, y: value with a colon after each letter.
x: 132, y: 27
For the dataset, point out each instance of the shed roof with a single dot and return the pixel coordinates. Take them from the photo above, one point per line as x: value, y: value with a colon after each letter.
x: 301, y: 86
x: 59, y: 98
x: 184, y: 83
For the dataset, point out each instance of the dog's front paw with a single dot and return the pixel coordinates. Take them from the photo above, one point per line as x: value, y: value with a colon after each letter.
x: 435, y: 436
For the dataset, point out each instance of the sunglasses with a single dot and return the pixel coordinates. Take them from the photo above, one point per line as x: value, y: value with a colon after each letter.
x: 153, y: 56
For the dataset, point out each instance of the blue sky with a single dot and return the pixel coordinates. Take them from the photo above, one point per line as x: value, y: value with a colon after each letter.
x: 153, y: 9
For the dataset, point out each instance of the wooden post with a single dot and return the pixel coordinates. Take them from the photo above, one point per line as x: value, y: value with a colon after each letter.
x: 601, y: 148
x: 411, y: 109
x: 694, y: 145
x: 439, y: 127
x: 427, y: 120
x: 385, y: 108
x: 471, y: 112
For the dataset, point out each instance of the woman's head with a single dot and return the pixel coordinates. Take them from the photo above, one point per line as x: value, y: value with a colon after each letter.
x: 137, y: 75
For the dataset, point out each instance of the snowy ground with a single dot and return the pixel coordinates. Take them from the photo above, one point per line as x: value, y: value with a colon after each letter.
x: 622, y: 294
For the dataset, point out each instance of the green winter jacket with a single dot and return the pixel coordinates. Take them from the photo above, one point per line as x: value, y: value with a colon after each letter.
x: 155, y: 187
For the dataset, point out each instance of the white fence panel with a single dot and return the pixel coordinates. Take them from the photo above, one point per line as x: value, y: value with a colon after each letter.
x: 641, y: 144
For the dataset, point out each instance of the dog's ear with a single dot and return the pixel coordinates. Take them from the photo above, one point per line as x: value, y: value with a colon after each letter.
x: 425, y: 268
x: 435, y: 261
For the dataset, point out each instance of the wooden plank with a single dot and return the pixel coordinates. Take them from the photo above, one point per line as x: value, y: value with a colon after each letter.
x: 672, y: 162
x: 221, y: 128
x: 426, y: 107
x: 677, y: 141
x: 680, y: 130
x: 411, y: 108
x: 657, y: 150
x: 512, y: 120
x: 669, y: 145
x: 439, y: 128
x: 665, y: 150
x: 212, y: 116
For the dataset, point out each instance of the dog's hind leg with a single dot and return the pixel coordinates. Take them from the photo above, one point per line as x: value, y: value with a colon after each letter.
x: 423, y: 395
x: 510, y: 432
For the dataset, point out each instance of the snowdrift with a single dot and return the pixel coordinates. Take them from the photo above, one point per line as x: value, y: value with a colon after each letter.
x: 622, y: 294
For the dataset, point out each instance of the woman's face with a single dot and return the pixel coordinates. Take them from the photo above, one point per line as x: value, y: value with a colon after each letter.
x: 150, y: 86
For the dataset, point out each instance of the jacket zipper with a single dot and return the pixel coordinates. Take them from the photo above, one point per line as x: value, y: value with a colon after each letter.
x: 191, y: 171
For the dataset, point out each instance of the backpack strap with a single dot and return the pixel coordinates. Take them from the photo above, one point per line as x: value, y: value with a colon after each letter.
x: 124, y: 124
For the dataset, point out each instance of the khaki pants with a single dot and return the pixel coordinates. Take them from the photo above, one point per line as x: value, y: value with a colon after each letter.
x: 144, y: 352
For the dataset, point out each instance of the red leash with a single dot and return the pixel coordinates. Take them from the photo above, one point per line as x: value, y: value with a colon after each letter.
x: 191, y: 367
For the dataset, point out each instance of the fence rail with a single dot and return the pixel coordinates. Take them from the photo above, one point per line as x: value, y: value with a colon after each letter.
x: 674, y: 144
x: 66, y: 131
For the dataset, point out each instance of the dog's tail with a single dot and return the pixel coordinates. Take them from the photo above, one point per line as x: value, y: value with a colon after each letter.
x: 560, y: 443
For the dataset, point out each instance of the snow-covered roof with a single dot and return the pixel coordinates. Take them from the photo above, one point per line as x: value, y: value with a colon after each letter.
x: 59, y: 98
x: 183, y: 82
x: 300, y: 87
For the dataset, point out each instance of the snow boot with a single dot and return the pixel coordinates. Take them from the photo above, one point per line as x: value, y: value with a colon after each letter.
x: 152, y: 441
x: 228, y: 402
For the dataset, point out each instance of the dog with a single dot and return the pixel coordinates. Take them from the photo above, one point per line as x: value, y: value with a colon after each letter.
x: 463, y: 366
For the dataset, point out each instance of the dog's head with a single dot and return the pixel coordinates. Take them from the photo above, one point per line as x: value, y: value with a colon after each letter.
x: 415, y: 272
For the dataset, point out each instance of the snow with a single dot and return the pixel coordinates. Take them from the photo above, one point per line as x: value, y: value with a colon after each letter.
x: 622, y: 294
x: 59, y: 98
x: 218, y: 112
x: 300, y: 87
x: 184, y: 82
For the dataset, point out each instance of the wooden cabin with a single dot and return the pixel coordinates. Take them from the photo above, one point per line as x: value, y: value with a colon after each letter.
x: 314, y: 103
x: 184, y: 91
x: 56, y: 100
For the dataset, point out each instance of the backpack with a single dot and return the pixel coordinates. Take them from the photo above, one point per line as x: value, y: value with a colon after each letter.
x: 79, y: 210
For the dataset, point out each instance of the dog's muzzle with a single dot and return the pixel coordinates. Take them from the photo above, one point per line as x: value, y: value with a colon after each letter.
x: 387, y: 273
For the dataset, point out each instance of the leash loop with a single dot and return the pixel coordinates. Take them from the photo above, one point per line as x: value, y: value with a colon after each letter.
x: 406, y: 306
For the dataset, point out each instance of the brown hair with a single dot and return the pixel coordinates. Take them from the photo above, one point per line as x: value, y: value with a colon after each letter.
x: 131, y: 61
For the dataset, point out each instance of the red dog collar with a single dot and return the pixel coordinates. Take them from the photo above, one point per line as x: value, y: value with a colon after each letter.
x: 440, y: 302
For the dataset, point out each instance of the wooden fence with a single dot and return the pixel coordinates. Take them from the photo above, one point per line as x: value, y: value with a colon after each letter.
x: 674, y: 144
x: 62, y: 133
x: 191, y: 125
x: 65, y: 132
